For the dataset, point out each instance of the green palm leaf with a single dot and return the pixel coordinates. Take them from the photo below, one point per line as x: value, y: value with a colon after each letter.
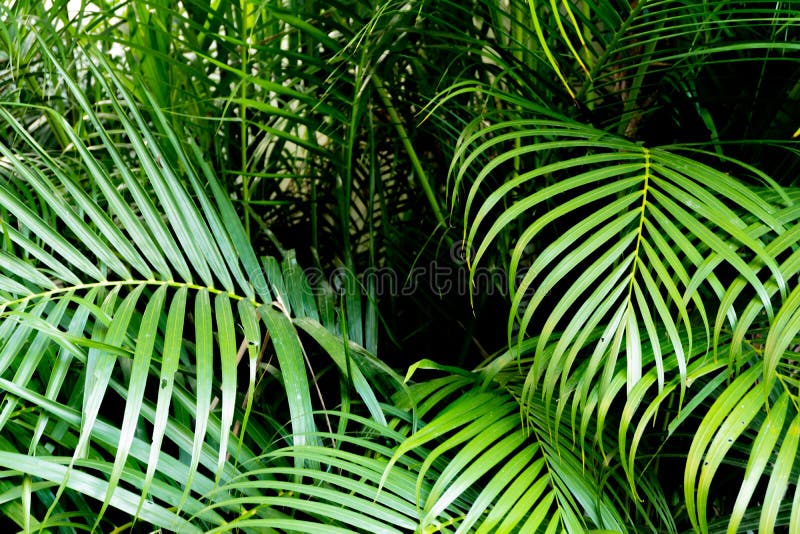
x: 99, y: 291
x: 645, y: 279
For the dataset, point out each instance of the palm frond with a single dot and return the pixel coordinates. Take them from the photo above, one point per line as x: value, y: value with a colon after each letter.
x: 651, y: 254
x: 130, y: 310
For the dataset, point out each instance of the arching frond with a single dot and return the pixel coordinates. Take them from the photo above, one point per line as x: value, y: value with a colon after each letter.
x: 143, y: 292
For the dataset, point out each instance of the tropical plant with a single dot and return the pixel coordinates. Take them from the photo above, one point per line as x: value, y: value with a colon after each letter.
x: 627, y: 168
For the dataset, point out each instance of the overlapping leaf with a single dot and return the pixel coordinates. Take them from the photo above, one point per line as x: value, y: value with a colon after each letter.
x: 134, y: 279
x: 634, y: 236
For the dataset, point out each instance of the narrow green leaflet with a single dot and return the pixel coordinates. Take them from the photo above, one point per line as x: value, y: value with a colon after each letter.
x: 292, y: 364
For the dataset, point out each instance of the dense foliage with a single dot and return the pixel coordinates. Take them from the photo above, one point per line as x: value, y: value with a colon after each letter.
x: 424, y: 266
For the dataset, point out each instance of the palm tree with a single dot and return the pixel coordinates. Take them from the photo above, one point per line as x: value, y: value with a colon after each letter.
x: 166, y: 361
